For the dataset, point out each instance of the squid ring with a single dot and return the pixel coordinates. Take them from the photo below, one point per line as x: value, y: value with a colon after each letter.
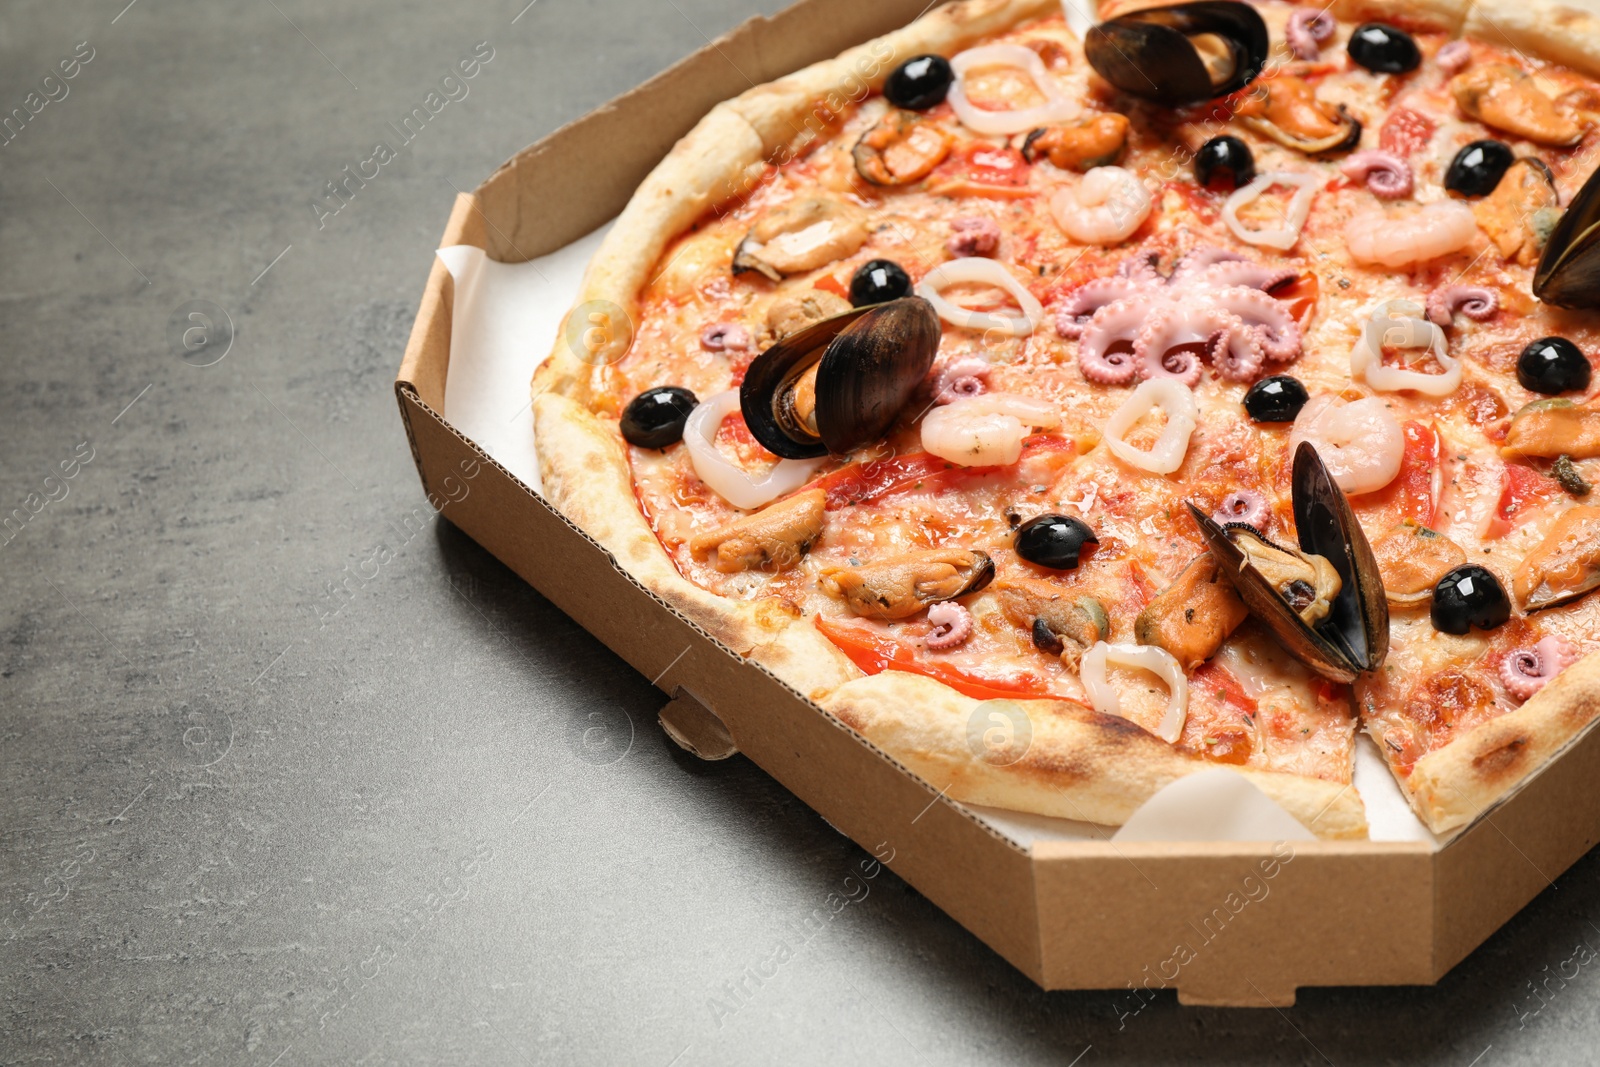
x: 1403, y: 324
x: 981, y: 120
x: 973, y: 271
x: 1166, y: 455
x: 1158, y: 661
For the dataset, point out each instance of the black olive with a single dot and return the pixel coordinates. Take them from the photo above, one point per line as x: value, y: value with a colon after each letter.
x: 655, y: 418
x: 878, y: 281
x: 1469, y: 596
x: 1276, y: 399
x: 1224, y: 157
x: 1478, y: 168
x: 1552, y: 365
x: 1383, y: 48
x: 1046, y: 639
x: 1054, y: 541
x: 919, y: 83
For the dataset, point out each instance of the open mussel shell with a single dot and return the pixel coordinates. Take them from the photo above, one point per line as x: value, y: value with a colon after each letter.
x: 1354, y: 635
x: 841, y: 383
x: 1568, y: 274
x: 1182, y: 54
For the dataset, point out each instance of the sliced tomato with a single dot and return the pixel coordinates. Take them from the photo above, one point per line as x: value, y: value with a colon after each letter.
x: 1521, y: 488
x: 1301, y: 296
x: 1421, y: 476
x: 1414, y: 493
x: 865, y: 483
x: 862, y: 483
x: 1405, y: 131
x: 1224, y: 740
x: 1222, y: 684
x: 833, y: 285
x: 875, y: 652
x: 989, y: 165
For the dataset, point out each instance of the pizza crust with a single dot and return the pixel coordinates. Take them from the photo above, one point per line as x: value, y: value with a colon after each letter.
x: 1079, y: 764
x: 806, y: 661
x: 1447, y: 16
x: 1550, y: 31
x: 1455, y: 784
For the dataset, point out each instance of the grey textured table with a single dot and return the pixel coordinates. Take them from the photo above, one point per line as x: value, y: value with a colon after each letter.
x: 251, y: 820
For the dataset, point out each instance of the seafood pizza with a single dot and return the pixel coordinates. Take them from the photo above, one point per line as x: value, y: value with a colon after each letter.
x: 1066, y: 414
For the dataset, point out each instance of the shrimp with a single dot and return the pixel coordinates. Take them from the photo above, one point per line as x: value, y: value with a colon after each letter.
x: 1360, y: 442
x: 1103, y: 209
x: 1442, y: 227
x: 986, y: 430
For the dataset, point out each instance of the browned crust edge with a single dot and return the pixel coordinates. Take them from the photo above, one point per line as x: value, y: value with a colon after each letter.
x: 1078, y: 764
x: 1452, y: 786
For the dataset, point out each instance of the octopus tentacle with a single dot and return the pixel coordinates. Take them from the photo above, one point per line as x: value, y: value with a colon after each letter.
x: 952, y: 624
x: 1473, y: 301
x: 1386, y: 175
x: 1080, y: 305
x: 962, y: 378
x: 1160, y: 350
x: 1246, y: 273
x: 1193, y: 265
x: 1274, y: 327
x: 1236, y: 352
x: 1116, y: 323
x: 1141, y: 267
x: 1305, y: 32
x: 1525, y: 671
x: 1454, y: 57
x: 1246, y: 506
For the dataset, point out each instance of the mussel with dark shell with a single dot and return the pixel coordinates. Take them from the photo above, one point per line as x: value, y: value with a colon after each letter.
x: 840, y: 383
x: 1568, y: 274
x: 1181, y: 54
x: 1324, y: 599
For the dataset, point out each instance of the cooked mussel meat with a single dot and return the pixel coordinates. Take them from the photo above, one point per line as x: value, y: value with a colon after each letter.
x: 1062, y: 622
x: 840, y: 383
x: 1412, y: 559
x: 1502, y: 96
x: 1181, y: 54
x: 794, y: 311
x: 1079, y: 146
x: 1564, y: 566
x: 1568, y: 274
x: 1193, y: 616
x: 901, y: 586
x: 772, y: 539
x: 1323, y: 600
x: 1554, y: 427
x: 803, y: 235
x: 1521, y: 211
x: 1286, y: 109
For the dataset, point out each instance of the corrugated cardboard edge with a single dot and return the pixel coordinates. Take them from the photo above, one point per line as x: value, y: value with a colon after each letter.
x: 1071, y: 915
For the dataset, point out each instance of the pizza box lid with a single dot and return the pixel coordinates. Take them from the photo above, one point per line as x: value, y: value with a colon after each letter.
x: 1223, y: 924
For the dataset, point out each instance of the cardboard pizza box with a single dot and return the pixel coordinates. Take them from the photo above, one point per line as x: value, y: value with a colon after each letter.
x: 1223, y: 924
